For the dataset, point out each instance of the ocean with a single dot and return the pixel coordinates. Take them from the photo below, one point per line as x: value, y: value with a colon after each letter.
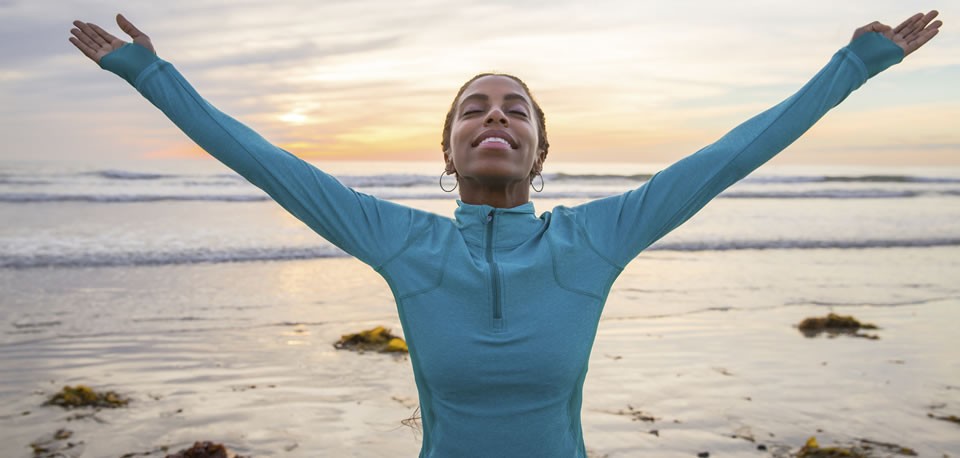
x: 181, y: 284
x: 177, y: 212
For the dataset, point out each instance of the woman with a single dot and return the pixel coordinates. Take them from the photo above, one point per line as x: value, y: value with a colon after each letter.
x: 500, y: 306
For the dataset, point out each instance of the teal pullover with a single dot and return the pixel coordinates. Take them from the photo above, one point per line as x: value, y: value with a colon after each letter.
x: 500, y: 306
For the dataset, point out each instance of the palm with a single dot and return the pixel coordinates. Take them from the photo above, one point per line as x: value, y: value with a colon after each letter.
x: 909, y: 35
x: 94, y: 42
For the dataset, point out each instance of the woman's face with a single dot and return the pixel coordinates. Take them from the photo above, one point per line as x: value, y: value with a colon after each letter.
x: 493, y: 137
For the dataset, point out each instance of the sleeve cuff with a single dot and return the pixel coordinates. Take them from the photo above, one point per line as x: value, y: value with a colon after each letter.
x: 876, y: 51
x: 128, y: 61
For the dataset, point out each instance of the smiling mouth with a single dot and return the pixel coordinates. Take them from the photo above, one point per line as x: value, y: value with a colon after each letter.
x: 495, y: 138
x: 495, y: 142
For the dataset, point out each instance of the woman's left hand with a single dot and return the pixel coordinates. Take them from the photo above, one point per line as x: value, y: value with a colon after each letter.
x: 909, y: 35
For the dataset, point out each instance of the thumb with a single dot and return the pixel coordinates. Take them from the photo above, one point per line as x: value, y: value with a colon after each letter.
x: 878, y: 27
x: 128, y: 27
x: 875, y: 26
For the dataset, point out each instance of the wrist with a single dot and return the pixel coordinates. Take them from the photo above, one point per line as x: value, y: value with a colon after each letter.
x: 876, y: 51
x: 128, y: 61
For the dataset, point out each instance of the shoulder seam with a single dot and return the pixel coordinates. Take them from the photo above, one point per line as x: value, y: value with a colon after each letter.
x: 402, y: 249
x: 586, y: 236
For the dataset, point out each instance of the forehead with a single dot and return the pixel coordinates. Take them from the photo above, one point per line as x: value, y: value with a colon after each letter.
x: 495, y: 87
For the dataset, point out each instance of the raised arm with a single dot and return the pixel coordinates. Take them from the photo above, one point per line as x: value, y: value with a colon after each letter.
x: 621, y: 226
x: 368, y: 228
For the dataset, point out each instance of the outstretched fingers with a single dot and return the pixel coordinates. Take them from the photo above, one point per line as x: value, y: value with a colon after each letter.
x: 918, y: 25
x: 94, y: 37
x: 908, y: 23
x: 921, y: 38
x: 84, y: 34
x: 82, y: 46
x: 93, y: 41
x: 103, y: 34
x: 919, y: 31
x: 929, y: 17
x: 926, y: 20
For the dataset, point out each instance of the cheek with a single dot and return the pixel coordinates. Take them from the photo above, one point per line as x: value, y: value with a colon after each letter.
x: 458, y: 138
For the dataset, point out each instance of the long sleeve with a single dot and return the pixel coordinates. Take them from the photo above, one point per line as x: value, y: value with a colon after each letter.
x: 621, y: 226
x: 371, y: 229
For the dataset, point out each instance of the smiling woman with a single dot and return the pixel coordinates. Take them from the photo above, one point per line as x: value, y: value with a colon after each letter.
x: 495, y: 133
x: 499, y: 305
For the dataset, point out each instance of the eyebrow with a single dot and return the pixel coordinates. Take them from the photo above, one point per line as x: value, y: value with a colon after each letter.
x: 485, y: 98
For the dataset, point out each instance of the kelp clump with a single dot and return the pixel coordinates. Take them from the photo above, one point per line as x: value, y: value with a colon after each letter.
x: 812, y: 449
x: 637, y: 414
x: 84, y: 396
x: 834, y: 325
x: 950, y: 418
x: 864, y: 449
x: 56, y: 445
x: 205, y: 449
x: 377, y: 339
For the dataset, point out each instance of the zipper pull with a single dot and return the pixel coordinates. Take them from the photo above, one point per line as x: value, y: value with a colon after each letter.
x: 490, y: 216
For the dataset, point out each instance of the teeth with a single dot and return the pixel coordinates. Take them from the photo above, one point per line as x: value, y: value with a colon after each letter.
x: 495, y: 139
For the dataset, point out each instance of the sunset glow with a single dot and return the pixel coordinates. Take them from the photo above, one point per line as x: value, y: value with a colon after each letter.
x: 619, y: 81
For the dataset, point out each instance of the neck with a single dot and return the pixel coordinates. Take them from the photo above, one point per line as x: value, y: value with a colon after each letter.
x: 506, y: 195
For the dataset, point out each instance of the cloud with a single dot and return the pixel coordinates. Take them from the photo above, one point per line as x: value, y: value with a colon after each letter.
x: 304, y: 52
x: 341, y: 74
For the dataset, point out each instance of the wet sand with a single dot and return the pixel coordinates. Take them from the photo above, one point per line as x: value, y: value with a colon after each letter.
x: 704, y: 343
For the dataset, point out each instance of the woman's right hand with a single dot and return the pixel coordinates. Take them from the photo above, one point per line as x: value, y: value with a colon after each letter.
x: 95, y: 42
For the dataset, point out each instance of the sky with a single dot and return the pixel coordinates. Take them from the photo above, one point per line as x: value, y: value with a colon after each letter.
x: 623, y: 81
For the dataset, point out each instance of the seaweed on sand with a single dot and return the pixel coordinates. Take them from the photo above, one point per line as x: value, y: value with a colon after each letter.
x: 84, y: 396
x: 865, y: 448
x: 834, y: 325
x: 205, y: 449
x: 56, y: 445
x: 377, y: 339
x: 950, y: 418
x: 637, y: 414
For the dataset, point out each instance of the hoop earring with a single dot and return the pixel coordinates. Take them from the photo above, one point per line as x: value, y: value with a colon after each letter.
x: 541, y: 183
x: 441, y: 183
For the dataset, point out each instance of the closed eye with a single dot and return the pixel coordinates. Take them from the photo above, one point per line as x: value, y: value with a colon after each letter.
x: 521, y: 113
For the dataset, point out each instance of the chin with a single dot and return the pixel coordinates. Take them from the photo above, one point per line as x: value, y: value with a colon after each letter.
x: 494, y: 173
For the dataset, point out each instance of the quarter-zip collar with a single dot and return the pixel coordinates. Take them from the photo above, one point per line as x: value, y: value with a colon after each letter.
x: 513, y: 225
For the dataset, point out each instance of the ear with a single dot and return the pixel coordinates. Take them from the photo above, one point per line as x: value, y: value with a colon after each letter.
x: 448, y: 168
x: 538, y: 162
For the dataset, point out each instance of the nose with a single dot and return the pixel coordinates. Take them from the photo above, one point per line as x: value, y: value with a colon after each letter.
x: 496, y: 115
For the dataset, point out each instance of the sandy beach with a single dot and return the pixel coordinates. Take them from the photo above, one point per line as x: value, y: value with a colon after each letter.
x: 241, y: 353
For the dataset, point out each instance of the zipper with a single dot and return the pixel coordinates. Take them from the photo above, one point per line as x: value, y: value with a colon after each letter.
x: 494, y: 274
